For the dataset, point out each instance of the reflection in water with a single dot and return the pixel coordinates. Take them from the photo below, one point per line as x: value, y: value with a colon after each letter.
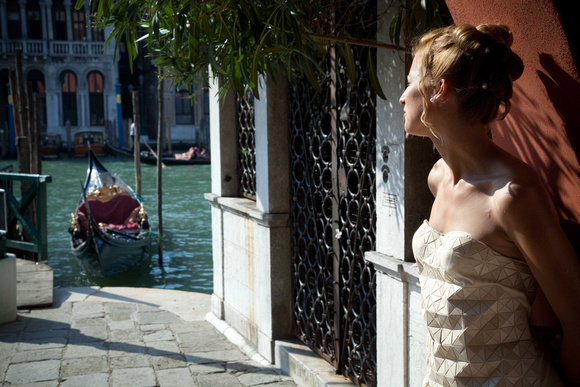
x: 187, y: 254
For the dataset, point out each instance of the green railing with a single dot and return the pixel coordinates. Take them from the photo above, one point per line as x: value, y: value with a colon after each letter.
x: 18, y: 220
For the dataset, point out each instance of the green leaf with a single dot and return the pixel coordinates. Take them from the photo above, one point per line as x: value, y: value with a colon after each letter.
x: 375, y: 83
x: 346, y: 52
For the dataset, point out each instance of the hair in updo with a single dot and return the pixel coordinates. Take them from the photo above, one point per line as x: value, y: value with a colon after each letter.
x: 477, y: 63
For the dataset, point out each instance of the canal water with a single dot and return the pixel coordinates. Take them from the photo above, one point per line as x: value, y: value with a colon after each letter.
x: 187, y: 255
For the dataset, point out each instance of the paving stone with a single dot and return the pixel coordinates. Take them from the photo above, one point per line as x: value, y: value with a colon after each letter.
x: 87, y: 308
x: 43, y: 354
x: 163, y: 335
x: 41, y: 344
x: 45, y: 325
x: 191, y: 326
x: 94, y: 349
x: 88, y: 334
x: 119, y: 307
x: 84, y: 321
x: 242, y: 366
x: 7, y: 349
x: 175, y: 377
x: 202, y: 344
x: 168, y: 361
x: 157, y: 317
x: 135, y: 361
x: 152, y: 327
x: 45, y: 334
x: 259, y: 376
x: 215, y: 356
x: 214, y: 368
x: 48, y: 383
x: 25, y: 373
x: 61, y: 315
x: 125, y: 335
x: 221, y: 380
x: 92, y: 380
x: 119, y: 316
x: 163, y: 348
x: 122, y: 325
x: 129, y: 348
x: 146, y: 308
x: 131, y: 377
x: 14, y: 326
x: 83, y: 366
x: 188, y: 337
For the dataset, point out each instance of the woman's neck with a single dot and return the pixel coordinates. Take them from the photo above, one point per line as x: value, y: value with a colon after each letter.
x: 466, y: 149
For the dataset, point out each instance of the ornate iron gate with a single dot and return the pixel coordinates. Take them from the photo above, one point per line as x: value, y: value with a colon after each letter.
x: 332, y: 140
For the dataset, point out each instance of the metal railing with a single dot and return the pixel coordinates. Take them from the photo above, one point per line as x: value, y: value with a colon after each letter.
x: 19, y: 221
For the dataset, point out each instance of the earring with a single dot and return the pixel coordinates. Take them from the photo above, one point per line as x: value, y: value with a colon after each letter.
x: 432, y: 99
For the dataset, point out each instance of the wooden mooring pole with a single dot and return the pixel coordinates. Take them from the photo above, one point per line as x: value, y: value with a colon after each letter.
x: 159, y: 162
x: 137, y: 142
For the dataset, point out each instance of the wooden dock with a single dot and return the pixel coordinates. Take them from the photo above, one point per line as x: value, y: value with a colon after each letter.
x: 34, y: 284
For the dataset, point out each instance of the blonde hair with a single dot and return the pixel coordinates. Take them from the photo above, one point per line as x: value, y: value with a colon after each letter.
x: 477, y: 63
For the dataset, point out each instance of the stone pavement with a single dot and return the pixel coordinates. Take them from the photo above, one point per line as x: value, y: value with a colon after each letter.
x: 126, y: 337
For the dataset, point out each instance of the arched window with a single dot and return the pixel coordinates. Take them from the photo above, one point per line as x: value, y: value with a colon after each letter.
x: 14, y: 22
x: 36, y: 78
x: 33, y: 21
x: 79, y: 24
x: 59, y: 20
x: 96, y: 99
x: 68, y: 83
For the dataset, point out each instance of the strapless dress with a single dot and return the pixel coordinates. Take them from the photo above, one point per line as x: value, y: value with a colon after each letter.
x: 477, y: 304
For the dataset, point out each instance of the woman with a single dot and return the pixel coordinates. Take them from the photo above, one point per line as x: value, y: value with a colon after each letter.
x: 493, y: 235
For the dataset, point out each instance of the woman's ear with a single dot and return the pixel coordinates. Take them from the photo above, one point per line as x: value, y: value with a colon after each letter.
x: 440, y: 90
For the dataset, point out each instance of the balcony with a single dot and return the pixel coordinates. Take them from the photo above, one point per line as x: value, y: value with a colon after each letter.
x: 44, y: 49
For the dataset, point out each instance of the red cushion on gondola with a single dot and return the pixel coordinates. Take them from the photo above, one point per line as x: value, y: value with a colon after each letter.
x: 115, y: 211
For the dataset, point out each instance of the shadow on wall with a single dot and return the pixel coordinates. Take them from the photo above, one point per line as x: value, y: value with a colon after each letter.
x: 532, y: 130
x: 564, y: 92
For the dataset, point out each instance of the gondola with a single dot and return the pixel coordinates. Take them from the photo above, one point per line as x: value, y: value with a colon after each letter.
x: 111, y: 234
x: 147, y: 157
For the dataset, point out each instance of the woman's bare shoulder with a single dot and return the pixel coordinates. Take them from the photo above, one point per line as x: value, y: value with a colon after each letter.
x: 436, y: 175
x: 521, y: 192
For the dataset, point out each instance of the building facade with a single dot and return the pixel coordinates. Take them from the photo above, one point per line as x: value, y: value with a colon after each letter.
x: 71, y: 73
x: 80, y: 81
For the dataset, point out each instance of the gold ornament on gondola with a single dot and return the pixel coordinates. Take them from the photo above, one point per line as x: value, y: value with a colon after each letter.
x: 142, y: 212
x: 105, y: 193
x: 73, y: 222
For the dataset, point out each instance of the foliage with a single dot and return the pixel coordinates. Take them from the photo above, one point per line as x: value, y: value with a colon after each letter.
x: 240, y: 40
x: 415, y: 17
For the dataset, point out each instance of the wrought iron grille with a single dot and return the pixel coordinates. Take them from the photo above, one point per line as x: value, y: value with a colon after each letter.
x: 332, y: 140
x: 246, y: 144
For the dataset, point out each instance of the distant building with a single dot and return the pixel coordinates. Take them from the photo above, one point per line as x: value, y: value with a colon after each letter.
x: 78, y: 80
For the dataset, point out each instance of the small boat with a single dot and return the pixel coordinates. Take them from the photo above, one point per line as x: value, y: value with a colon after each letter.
x: 110, y: 231
x: 191, y: 157
x: 50, y: 145
x: 82, y: 140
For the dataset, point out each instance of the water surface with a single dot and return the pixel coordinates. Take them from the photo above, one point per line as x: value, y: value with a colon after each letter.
x: 187, y: 255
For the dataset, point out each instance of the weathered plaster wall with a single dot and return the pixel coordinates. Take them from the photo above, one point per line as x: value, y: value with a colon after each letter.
x: 543, y: 127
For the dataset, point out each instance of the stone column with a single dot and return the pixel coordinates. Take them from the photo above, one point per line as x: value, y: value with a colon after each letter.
x: 272, y: 198
x: 49, y: 27
x: 68, y: 11
x: 44, y: 15
x: 23, y: 20
x: 3, y: 20
x: 224, y: 181
x: 89, y: 30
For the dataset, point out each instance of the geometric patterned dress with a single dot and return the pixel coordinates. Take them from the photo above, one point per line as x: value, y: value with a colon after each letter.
x: 476, y: 303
